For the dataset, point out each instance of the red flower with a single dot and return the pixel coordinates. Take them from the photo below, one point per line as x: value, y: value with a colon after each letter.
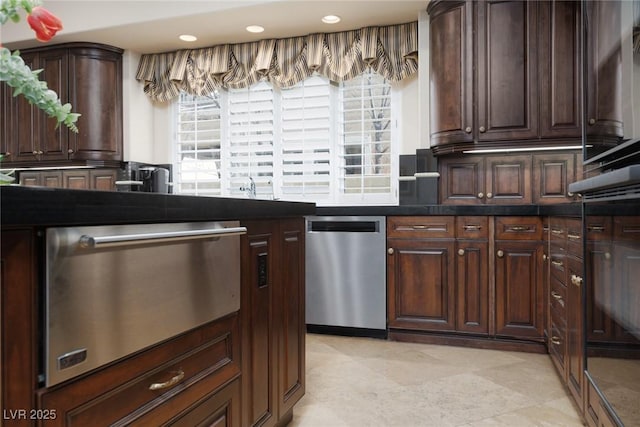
x: 44, y: 23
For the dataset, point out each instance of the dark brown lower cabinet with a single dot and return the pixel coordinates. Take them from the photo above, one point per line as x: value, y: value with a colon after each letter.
x: 273, y: 322
x: 200, y: 377
x: 519, y: 298
x: 18, y: 319
x: 208, y: 359
x: 79, y: 179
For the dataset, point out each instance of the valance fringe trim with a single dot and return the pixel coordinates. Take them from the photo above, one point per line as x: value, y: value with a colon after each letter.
x: 392, y: 51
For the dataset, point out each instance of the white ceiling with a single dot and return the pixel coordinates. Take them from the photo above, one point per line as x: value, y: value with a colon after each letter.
x: 147, y: 26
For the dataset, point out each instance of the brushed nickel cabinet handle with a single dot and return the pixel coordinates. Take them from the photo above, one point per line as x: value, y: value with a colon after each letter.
x: 500, y: 254
x: 390, y: 251
x: 518, y: 228
x: 556, y: 340
x: 556, y: 295
x: 467, y: 129
x: 173, y: 381
x: 557, y: 263
x: 461, y: 252
x: 557, y: 232
x: 472, y: 228
x: 573, y: 236
x: 596, y: 228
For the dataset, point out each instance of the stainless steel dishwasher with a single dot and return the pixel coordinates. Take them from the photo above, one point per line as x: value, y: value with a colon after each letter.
x: 346, y: 275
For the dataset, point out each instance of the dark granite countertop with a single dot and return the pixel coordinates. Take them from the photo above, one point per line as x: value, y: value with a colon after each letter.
x: 566, y: 209
x: 41, y: 206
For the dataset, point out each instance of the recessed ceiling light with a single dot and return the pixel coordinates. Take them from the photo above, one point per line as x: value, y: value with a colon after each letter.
x: 255, y: 29
x: 188, y: 38
x: 331, y: 19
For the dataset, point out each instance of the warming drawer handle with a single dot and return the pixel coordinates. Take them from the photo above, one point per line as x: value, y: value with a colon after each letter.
x: 168, y: 236
x: 173, y: 381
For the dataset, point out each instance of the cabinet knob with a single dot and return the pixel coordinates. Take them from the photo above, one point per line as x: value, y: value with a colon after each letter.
x: 544, y: 257
x: 40, y: 152
x: 489, y: 195
x: 556, y: 295
x: 70, y: 151
x: 35, y: 152
x: 460, y: 252
x: 500, y: 254
x: 483, y: 129
x: 480, y: 195
x: 569, y: 194
x: 390, y: 251
x: 7, y: 154
x: 592, y: 121
x: 556, y: 340
x: 576, y: 280
x: 607, y: 255
x: 467, y: 129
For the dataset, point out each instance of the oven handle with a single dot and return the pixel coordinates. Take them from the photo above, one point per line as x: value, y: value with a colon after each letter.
x: 170, y: 236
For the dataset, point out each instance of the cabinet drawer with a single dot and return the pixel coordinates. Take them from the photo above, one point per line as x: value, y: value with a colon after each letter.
x: 419, y: 227
x: 472, y: 227
x: 558, y: 267
x: 518, y: 228
x: 182, y: 370
x: 626, y: 228
x: 574, y: 237
x: 558, y: 232
x: 558, y: 297
x: 598, y: 227
x: 557, y: 343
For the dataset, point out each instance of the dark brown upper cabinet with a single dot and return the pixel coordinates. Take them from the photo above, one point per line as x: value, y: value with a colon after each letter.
x: 87, y: 75
x: 503, y: 73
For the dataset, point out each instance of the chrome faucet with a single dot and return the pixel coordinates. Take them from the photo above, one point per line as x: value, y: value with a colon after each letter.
x: 251, y: 189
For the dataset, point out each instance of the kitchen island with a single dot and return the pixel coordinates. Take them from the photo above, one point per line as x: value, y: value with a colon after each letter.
x: 244, y: 368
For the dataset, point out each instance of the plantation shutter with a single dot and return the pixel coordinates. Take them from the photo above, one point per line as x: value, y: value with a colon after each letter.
x: 306, y: 140
x: 251, y: 140
x: 365, y: 135
x: 198, y: 145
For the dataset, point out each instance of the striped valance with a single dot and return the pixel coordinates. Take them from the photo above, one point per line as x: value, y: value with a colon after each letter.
x: 391, y: 51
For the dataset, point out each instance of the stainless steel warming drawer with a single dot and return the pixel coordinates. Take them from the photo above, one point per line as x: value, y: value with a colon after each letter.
x: 114, y: 290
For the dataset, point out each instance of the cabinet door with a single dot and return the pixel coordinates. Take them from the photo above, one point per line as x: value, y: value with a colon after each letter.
x: 604, y: 71
x: 6, y: 121
x: 462, y: 180
x: 25, y: 122
x: 103, y: 179
x: 451, y: 50
x: 507, y: 101
x: 508, y: 180
x: 53, y: 138
x: 472, y: 309
x: 95, y: 91
x: 18, y: 326
x: 575, y: 342
x: 599, y: 263
x: 76, y: 178
x: 291, y: 311
x: 559, y: 69
x: 420, y: 280
x: 259, y: 346
x: 519, y: 299
x: 552, y: 174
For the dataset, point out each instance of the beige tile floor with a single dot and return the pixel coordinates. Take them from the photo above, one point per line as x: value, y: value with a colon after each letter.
x: 369, y: 382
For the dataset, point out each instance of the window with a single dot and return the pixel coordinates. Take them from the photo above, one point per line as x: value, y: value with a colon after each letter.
x: 318, y: 141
